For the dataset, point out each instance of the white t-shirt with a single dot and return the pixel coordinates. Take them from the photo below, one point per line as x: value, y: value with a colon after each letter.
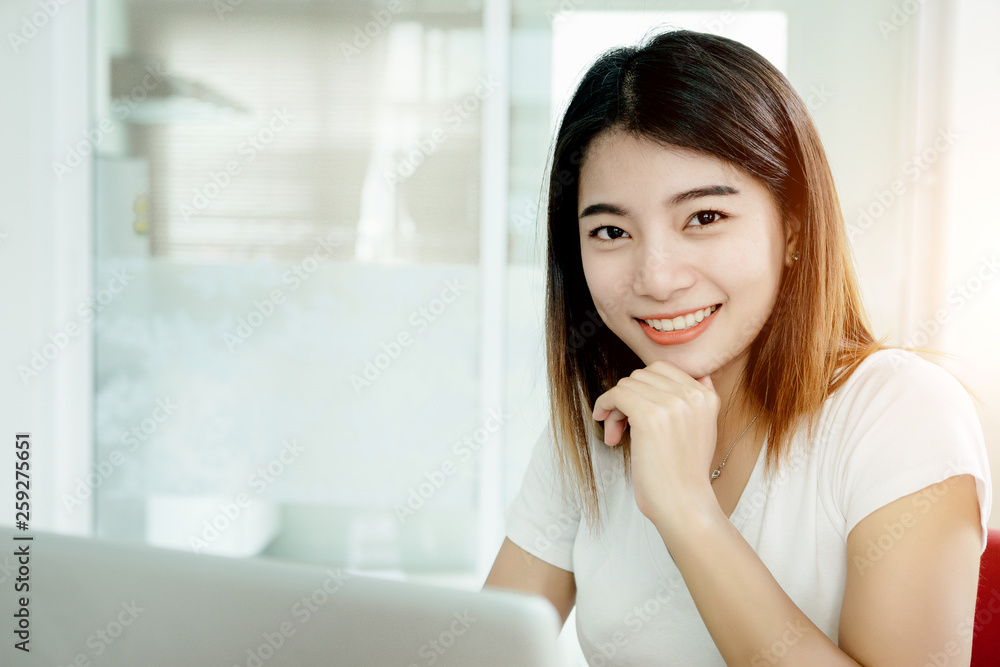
x: 897, y: 425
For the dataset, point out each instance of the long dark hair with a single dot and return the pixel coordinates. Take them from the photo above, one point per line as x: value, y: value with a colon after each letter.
x: 721, y: 98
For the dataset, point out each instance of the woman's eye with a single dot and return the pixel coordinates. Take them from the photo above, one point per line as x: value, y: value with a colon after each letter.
x: 607, y: 233
x: 702, y: 218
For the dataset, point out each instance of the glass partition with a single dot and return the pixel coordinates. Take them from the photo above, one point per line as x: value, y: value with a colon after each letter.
x: 290, y: 212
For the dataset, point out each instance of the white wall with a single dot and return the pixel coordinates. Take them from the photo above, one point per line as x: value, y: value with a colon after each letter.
x: 971, y: 247
x: 44, y: 253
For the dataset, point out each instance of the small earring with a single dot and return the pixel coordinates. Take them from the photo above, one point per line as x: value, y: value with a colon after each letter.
x: 795, y: 256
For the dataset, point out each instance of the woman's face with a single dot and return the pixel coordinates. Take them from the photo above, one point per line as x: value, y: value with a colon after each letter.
x: 683, y: 253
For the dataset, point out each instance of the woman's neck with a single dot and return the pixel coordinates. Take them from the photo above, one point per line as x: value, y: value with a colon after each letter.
x: 735, y: 409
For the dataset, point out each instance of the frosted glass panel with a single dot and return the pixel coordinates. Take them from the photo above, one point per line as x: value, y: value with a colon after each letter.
x: 245, y: 363
x: 216, y: 381
x: 292, y: 368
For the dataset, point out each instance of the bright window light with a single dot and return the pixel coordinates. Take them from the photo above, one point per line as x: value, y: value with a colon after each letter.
x: 578, y: 37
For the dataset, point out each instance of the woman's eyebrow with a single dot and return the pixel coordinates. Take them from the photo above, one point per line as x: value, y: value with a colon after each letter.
x: 704, y: 191
x: 679, y: 198
x: 595, y: 209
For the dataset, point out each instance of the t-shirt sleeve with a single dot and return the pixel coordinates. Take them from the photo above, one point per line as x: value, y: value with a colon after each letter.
x: 542, y: 519
x: 907, y: 424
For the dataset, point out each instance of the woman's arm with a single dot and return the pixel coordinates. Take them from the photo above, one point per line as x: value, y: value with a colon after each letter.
x: 516, y: 569
x: 915, y: 602
x: 912, y: 577
x: 749, y: 616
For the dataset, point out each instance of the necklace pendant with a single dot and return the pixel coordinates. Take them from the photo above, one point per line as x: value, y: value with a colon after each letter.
x: 718, y: 471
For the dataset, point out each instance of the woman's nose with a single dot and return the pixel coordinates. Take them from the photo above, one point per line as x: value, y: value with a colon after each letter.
x: 661, y: 271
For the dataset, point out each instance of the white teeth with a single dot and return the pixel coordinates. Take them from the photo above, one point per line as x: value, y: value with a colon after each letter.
x: 681, y: 322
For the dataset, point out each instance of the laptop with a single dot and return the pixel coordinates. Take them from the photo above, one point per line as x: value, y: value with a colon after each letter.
x: 95, y: 602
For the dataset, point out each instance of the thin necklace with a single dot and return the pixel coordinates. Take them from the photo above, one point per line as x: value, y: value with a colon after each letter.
x: 718, y: 471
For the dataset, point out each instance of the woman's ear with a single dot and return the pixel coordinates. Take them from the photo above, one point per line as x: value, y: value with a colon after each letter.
x: 793, y: 232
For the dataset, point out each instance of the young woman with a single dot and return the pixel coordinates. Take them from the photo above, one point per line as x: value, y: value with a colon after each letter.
x: 736, y: 471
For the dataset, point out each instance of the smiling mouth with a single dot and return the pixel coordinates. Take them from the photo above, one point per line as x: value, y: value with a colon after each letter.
x: 681, y: 322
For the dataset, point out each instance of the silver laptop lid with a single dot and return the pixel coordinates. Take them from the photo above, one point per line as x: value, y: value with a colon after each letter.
x: 98, y: 602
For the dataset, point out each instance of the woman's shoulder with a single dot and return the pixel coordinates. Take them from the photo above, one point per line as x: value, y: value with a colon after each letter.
x: 898, y: 424
x: 897, y: 372
x: 899, y: 390
x: 895, y: 400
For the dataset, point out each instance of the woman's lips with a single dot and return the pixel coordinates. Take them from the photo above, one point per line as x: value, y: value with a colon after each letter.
x: 678, y: 337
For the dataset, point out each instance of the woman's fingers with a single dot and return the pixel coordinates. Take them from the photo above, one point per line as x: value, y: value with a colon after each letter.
x: 663, y: 374
x: 613, y: 408
x: 630, y: 396
x: 660, y: 385
x: 614, y: 427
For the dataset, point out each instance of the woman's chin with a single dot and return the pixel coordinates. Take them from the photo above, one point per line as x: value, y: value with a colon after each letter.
x: 694, y: 368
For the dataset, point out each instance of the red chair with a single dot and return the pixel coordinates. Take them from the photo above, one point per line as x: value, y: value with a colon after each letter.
x: 986, y: 632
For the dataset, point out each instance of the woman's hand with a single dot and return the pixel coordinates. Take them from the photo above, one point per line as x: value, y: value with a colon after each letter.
x: 672, y: 418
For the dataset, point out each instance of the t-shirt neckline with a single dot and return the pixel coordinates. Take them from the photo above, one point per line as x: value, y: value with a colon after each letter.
x: 752, y: 482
